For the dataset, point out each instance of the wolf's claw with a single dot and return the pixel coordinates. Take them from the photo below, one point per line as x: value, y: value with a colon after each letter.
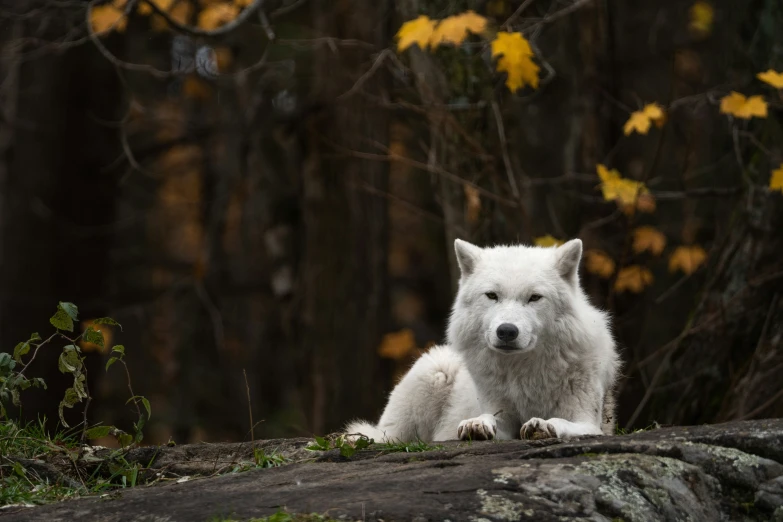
x: 476, y: 429
x: 536, y: 429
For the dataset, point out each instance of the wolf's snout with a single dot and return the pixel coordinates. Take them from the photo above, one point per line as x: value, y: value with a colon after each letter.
x: 507, y: 332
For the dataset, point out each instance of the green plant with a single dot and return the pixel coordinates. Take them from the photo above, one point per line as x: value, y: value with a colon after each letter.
x: 346, y: 447
x: 13, y: 381
x: 407, y: 447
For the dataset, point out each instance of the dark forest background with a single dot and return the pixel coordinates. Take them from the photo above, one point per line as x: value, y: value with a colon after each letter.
x: 271, y: 187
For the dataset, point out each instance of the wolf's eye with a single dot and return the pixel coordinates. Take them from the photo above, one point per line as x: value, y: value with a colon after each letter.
x: 492, y: 295
x: 534, y: 297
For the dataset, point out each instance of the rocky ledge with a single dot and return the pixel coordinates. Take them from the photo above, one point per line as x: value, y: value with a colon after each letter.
x: 729, y: 471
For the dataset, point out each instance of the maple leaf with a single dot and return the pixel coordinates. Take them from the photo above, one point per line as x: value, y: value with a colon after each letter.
x: 776, y: 181
x: 640, y: 121
x: 702, y: 18
x: 625, y: 191
x: 397, y: 345
x: 547, y: 241
x: 648, y: 239
x: 104, y: 18
x: 515, y: 59
x: 772, y: 78
x: 739, y: 106
x: 473, y: 203
x: 215, y: 15
x: 633, y: 279
x: 599, y: 263
x: 454, y: 29
x: 687, y: 258
x: 418, y: 31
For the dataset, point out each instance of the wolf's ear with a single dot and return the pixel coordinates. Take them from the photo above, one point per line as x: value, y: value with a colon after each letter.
x: 568, y: 256
x: 467, y: 256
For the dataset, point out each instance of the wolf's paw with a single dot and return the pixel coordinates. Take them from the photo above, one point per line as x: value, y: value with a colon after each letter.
x: 479, y: 428
x: 536, y: 429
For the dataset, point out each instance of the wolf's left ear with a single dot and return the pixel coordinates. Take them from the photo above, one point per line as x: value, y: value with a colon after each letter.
x: 568, y: 256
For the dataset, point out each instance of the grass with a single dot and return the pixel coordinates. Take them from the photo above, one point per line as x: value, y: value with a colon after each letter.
x: 40, y: 467
x: 622, y: 431
x: 406, y: 447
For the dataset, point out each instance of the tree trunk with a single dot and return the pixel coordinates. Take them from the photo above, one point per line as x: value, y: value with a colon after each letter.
x: 344, y: 242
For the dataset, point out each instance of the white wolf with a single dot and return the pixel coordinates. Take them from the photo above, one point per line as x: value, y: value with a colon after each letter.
x: 527, y: 354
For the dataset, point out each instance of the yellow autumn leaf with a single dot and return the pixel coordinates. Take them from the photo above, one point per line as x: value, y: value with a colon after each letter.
x: 215, y: 15
x: 640, y: 121
x: 648, y: 239
x: 702, y: 18
x: 396, y: 345
x: 108, y: 17
x: 472, y: 204
x: 547, y: 241
x: 687, y: 259
x: 776, y: 181
x: 599, y: 263
x: 418, y: 31
x: 633, y: 279
x: 515, y: 58
x: 454, y: 29
x: 146, y: 10
x: 616, y: 188
x: 177, y: 11
x: 739, y: 106
x: 772, y: 78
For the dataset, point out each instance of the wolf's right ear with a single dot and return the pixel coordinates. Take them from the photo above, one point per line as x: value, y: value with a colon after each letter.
x: 467, y: 256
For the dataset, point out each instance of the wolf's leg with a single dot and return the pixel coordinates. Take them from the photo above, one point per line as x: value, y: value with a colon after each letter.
x: 419, y: 401
x: 537, y: 428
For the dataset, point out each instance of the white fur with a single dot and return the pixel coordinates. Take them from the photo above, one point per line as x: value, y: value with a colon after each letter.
x: 555, y: 379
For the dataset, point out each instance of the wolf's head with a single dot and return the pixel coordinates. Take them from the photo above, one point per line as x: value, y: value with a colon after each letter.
x: 511, y: 299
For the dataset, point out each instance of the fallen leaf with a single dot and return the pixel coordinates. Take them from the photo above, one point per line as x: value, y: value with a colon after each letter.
x: 472, y: 203
x: 772, y: 78
x: 515, y: 58
x: 739, y: 106
x: 547, y: 241
x: 648, y: 239
x: 687, y: 259
x: 599, y: 263
x: 418, y: 31
x: 397, y: 345
x: 455, y: 29
x: 776, y: 181
x: 633, y: 279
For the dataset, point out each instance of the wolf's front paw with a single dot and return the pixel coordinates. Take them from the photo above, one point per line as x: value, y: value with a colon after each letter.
x: 536, y: 428
x: 479, y: 428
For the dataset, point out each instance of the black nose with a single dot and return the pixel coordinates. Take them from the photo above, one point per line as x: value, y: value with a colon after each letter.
x: 507, y: 332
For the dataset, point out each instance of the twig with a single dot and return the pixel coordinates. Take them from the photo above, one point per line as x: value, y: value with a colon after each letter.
x: 366, y: 76
x: 504, y: 146
x: 249, y: 408
x: 510, y: 20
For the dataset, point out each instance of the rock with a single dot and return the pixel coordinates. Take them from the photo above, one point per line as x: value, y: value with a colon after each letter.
x: 730, y: 471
